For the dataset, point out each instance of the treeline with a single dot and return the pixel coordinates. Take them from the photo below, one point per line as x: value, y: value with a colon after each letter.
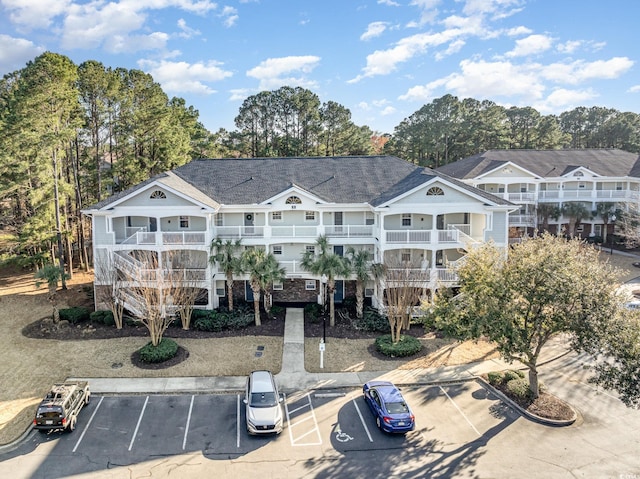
x: 448, y: 129
x: 71, y: 135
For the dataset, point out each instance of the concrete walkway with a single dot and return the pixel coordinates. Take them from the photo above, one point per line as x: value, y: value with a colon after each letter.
x: 294, y: 377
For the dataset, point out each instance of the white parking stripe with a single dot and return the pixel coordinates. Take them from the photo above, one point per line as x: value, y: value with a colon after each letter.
x: 238, y: 421
x: 366, y: 429
x: 88, y: 424
x: 460, y: 411
x: 316, y: 429
x: 139, y: 421
x: 186, y: 429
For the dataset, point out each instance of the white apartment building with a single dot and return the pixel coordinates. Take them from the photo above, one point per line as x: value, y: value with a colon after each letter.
x: 394, y: 209
x: 531, y: 178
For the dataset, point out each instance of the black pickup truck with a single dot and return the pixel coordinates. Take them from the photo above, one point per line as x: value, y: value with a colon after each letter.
x: 60, y: 408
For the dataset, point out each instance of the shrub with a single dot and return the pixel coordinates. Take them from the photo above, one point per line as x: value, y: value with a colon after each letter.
x: 495, y: 378
x: 166, y: 349
x: 519, y: 388
x: 103, y: 317
x: 277, y: 311
x: 219, y: 320
x: 407, y: 346
x: 313, y: 311
x: 74, y: 315
x: 372, y: 321
x: 513, y: 374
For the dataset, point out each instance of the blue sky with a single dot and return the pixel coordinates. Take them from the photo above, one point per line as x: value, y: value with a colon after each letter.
x: 382, y: 59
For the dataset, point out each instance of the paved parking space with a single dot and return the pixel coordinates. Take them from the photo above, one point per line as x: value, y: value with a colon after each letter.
x: 340, y: 419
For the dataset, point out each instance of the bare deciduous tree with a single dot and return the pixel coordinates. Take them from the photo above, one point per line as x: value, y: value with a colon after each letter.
x: 404, y: 284
x: 108, y: 284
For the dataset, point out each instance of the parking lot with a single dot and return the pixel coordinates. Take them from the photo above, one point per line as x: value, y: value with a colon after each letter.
x: 462, y: 430
x: 131, y: 429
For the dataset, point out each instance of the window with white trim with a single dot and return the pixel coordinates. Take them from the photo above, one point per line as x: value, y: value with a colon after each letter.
x: 310, y: 285
x: 184, y: 222
x: 406, y: 219
x: 293, y: 200
x: 435, y: 191
x: 278, y: 286
x: 221, y: 290
x: 311, y: 249
x: 276, y: 249
x: 276, y: 215
x: 310, y: 216
x: 405, y: 256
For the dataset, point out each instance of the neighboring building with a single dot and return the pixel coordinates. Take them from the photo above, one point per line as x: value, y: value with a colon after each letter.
x: 555, y: 178
x: 396, y: 210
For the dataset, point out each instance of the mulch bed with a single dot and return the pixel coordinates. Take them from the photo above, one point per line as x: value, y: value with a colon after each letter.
x: 181, y: 355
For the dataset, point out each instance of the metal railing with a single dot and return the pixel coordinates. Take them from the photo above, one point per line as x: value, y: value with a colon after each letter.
x: 294, y: 231
x: 239, y: 231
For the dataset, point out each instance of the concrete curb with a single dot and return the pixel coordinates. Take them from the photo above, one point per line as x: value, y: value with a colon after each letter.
x: 533, y: 417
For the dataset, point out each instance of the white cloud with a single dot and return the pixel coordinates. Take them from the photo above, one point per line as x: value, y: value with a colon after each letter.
x: 275, y: 72
x: 516, y: 31
x: 531, y: 45
x: 580, y: 71
x: 383, y: 62
x: 390, y: 3
x: 240, y: 94
x: 562, y: 99
x: 428, y: 12
x: 34, y: 13
x: 182, y: 77
x: 634, y: 89
x: 374, y: 29
x: 568, y: 47
x: 229, y: 16
x: 16, y: 52
x: 187, y: 32
x: 389, y: 110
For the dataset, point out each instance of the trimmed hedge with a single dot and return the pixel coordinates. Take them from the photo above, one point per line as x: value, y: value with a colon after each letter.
x: 166, y: 349
x: 407, y: 346
x: 103, y: 317
x: 74, y: 315
x: 519, y: 388
x: 220, y: 320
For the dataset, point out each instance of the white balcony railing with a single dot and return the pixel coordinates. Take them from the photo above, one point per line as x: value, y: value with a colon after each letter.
x: 294, y: 231
x: 158, y: 238
x: 528, y: 220
x: 239, y: 231
x: 408, y: 236
x: 349, y: 231
x: 292, y: 267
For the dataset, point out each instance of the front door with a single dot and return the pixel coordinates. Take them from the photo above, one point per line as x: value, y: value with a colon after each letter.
x: 337, y: 221
x: 249, y: 219
x: 338, y: 294
x: 248, y: 292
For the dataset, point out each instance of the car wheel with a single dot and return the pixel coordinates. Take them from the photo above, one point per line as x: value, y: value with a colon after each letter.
x: 72, y: 424
x: 378, y: 423
x: 88, y: 399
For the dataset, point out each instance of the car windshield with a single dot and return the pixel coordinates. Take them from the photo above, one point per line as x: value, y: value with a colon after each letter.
x: 263, y: 400
x: 397, y: 408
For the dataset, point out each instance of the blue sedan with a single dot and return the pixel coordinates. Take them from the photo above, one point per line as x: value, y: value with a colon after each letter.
x: 389, y: 407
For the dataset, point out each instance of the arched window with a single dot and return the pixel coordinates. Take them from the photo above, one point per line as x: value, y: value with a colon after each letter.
x: 293, y: 200
x: 435, y: 191
x: 158, y: 195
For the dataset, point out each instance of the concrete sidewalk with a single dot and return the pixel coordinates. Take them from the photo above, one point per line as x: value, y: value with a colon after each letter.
x: 294, y: 377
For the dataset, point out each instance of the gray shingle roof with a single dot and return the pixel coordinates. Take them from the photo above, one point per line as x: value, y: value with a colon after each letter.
x: 342, y: 179
x: 548, y: 163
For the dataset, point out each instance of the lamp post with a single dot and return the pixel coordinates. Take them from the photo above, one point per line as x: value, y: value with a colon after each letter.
x: 613, y: 228
x: 323, y: 280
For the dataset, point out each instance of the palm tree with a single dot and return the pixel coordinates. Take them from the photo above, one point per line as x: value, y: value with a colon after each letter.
x: 360, y: 263
x: 253, y: 263
x: 272, y: 272
x: 329, y: 264
x: 606, y: 211
x: 51, y: 275
x: 576, y: 212
x: 546, y: 211
x: 226, y: 253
